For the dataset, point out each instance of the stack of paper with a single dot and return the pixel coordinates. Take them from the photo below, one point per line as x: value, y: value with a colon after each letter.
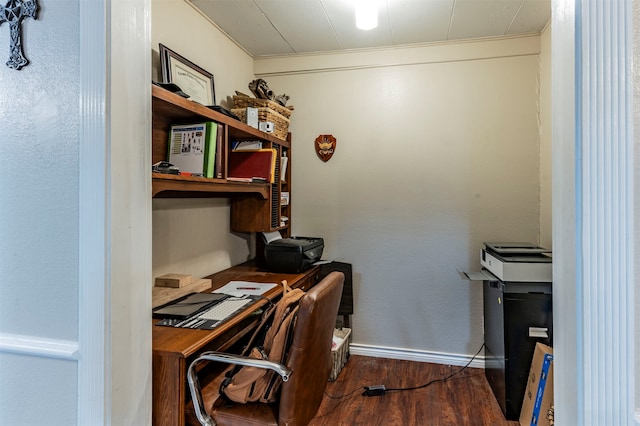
x: 244, y: 288
x: 247, y: 145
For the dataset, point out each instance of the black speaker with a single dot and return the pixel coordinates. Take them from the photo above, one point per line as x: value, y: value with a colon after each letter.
x: 346, y: 303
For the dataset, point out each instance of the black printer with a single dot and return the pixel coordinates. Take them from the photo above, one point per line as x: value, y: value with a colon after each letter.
x: 293, y: 255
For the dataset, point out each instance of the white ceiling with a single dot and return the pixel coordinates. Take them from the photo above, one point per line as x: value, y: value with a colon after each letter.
x: 282, y: 27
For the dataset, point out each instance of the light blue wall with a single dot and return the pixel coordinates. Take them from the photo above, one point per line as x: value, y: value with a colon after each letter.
x: 37, y: 391
x: 636, y: 125
x: 38, y: 216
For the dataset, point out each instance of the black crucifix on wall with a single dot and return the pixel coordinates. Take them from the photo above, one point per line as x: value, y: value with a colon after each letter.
x: 13, y: 13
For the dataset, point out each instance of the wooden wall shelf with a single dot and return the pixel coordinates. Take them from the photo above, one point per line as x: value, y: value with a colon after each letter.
x: 169, y: 108
x: 256, y: 207
x: 171, y: 186
x: 178, y: 109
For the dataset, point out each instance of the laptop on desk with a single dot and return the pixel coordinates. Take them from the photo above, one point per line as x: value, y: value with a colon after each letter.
x: 204, y: 311
x: 188, y: 306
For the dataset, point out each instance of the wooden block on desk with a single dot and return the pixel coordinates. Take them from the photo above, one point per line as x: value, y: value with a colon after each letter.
x: 162, y: 295
x: 173, y: 280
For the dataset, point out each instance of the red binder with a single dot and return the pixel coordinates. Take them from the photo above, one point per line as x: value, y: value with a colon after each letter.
x: 255, y: 165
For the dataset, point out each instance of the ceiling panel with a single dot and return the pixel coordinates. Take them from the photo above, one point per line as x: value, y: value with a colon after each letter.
x: 303, y: 23
x: 532, y: 17
x: 482, y: 18
x: 277, y: 27
x: 419, y: 21
x: 245, y: 23
x: 343, y: 18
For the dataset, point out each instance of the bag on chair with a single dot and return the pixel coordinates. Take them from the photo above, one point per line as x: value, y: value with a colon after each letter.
x: 250, y: 384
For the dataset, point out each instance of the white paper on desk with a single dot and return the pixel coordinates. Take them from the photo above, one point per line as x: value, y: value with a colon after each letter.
x: 271, y: 236
x: 477, y: 275
x: 244, y: 288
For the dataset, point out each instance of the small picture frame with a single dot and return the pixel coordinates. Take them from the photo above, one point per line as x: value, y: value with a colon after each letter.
x: 192, y: 79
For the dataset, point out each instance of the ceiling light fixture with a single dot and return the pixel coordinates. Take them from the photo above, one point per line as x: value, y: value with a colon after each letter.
x: 366, y: 14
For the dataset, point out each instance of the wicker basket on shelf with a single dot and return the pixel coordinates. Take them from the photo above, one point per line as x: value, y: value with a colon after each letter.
x: 280, y: 123
x: 267, y: 111
x: 246, y: 101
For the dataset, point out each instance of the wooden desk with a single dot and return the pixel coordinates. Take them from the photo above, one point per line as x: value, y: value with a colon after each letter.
x: 175, y: 348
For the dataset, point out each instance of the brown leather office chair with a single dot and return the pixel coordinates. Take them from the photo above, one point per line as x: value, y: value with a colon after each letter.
x: 305, y: 374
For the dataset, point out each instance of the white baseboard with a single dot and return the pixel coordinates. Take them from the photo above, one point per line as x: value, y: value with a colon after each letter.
x: 416, y: 355
x: 38, y: 346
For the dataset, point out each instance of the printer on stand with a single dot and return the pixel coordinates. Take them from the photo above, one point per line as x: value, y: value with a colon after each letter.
x: 517, y: 281
x: 517, y: 262
x: 293, y: 255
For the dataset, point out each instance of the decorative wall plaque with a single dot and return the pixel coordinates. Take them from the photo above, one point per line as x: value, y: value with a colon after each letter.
x: 325, y: 147
x: 14, y: 12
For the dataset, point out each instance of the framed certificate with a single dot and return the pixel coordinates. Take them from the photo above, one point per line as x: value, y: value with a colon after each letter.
x: 192, y: 80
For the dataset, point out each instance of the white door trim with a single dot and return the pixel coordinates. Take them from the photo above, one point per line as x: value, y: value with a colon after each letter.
x: 94, y: 264
x: 593, y: 212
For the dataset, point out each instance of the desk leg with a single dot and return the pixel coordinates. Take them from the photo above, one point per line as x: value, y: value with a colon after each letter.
x: 168, y: 390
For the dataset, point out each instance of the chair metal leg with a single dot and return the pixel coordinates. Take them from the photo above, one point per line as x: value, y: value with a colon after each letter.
x: 196, y: 395
x: 194, y: 384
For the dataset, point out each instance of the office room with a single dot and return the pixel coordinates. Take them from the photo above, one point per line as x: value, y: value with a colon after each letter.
x: 440, y: 147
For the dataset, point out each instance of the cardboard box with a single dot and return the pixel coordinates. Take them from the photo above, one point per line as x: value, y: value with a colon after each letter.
x: 537, y: 406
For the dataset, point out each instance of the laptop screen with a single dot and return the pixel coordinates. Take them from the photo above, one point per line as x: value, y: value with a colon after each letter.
x: 188, y: 305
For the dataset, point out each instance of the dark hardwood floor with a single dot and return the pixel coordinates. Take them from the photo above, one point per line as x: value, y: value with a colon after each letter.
x: 464, y: 399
